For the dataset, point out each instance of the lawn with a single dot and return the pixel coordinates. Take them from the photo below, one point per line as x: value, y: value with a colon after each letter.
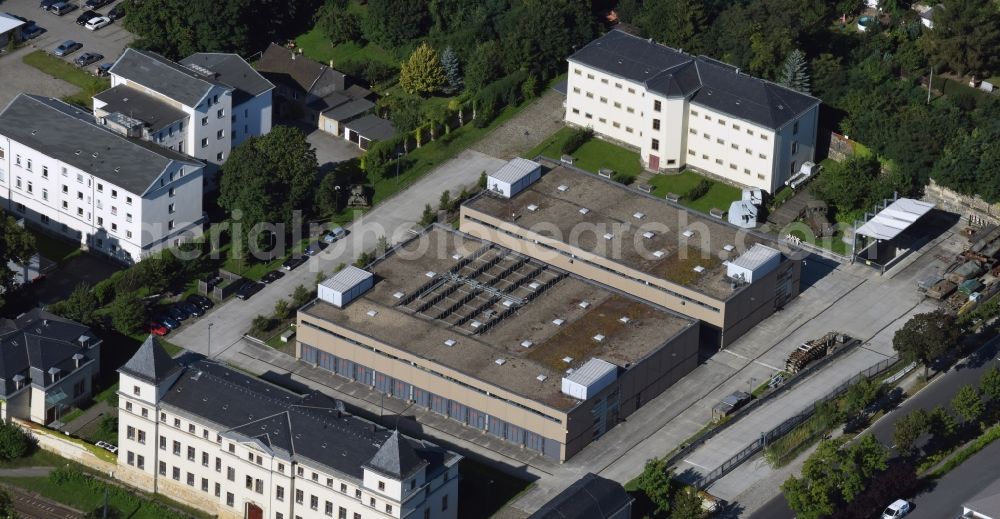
x: 594, y: 155
x: 54, y: 249
x: 38, y: 458
x: 88, y: 83
x: 719, y: 195
x: 315, y: 45
x: 484, y: 489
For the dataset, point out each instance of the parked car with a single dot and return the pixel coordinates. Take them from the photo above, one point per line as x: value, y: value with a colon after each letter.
x: 192, y: 309
x: 334, y: 234
x: 293, y: 262
x: 272, y: 276
x: 46, y: 4
x: 61, y: 8
x: 103, y: 68
x: 169, y: 322
x: 86, y: 17
x: 31, y: 31
x: 203, y: 302
x: 67, y: 47
x: 176, y: 313
x: 248, y: 289
x: 315, y: 248
x: 117, y: 11
x: 156, y: 328
x: 898, y: 508
x: 94, y: 4
x: 97, y: 23
x: 88, y: 58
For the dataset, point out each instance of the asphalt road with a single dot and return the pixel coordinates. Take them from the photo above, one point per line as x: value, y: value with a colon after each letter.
x: 939, y: 392
x: 960, y: 485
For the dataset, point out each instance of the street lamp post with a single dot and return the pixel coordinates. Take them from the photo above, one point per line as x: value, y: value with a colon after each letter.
x: 210, y: 325
x: 399, y: 156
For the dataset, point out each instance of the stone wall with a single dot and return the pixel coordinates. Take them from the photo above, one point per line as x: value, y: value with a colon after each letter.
x: 973, y: 209
x: 840, y: 147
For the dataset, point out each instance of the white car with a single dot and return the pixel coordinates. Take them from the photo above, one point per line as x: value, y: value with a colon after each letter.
x: 97, y: 23
x: 897, y: 509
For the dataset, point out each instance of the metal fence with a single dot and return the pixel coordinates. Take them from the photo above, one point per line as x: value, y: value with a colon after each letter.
x: 784, y: 427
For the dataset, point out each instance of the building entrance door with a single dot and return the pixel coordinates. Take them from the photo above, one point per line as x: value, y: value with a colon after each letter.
x: 654, y: 163
x: 254, y: 512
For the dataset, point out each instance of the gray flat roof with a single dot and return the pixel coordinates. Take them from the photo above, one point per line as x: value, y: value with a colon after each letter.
x: 70, y: 135
x: 136, y: 104
x: 714, y: 84
x: 349, y: 109
x: 157, y: 73
x: 346, y: 279
x: 514, y: 170
x: 592, y: 206
x: 442, y: 296
x: 373, y: 127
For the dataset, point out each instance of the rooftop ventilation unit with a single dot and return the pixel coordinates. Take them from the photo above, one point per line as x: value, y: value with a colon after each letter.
x: 584, y: 304
x: 527, y: 344
x: 567, y: 360
x: 599, y: 338
x: 699, y: 269
x: 456, y: 256
x: 648, y: 235
x: 475, y: 324
x: 507, y: 303
x: 558, y: 322
x: 430, y: 273
x: 728, y: 248
x: 589, y: 379
x: 500, y: 362
x: 608, y: 236
x: 450, y: 342
x: 563, y: 188
x: 372, y: 313
x: 345, y: 286
x: 541, y: 378
x: 398, y: 295
x: 584, y: 210
x: 532, y: 207
x: 625, y: 319
x: 638, y: 216
x: 659, y: 253
x: 514, y: 177
x: 688, y: 233
x: 534, y: 285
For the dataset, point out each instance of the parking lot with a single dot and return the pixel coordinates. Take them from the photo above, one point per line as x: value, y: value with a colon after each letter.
x: 17, y: 77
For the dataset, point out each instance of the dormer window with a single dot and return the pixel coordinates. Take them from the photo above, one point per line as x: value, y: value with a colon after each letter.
x: 381, y: 485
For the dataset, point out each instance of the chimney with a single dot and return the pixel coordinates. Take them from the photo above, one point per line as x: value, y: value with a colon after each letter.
x: 77, y: 360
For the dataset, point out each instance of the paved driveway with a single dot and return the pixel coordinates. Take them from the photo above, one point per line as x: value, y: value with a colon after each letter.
x: 330, y: 150
x: 17, y: 77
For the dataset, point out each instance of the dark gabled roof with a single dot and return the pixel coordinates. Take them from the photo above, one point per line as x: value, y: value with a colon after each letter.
x: 151, y: 363
x: 40, y: 340
x: 590, y: 497
x: 291, y: 69
x: 714, y: 84
x: 311, y: 428
x: 373, y: 127
x: 70, y: 135
x: 349, y: 109
x: 139, y: 105
x: 396, y: 458
x: 159, y: 74
x: 234, y: 71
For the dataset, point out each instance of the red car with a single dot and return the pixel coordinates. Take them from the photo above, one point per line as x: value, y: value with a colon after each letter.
x: 156, y: 328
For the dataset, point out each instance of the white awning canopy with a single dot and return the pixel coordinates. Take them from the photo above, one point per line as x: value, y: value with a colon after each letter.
x: 895, y: 219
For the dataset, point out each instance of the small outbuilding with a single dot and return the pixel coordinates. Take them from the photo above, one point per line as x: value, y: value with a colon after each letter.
x: 513, y: 177
x: 589, y: 379
x: 753, y: 264
x: 10, y: 28
x: 345, y: 286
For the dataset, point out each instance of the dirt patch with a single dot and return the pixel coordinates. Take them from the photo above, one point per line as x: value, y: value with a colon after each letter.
x: 527, y: 129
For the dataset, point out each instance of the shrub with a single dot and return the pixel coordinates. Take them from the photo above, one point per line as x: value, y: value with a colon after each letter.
x: 576, y: 139
x: 622, y: 178
x: 260, y: 324
x: 301, y: 296
x: 699, y: 190
x: 14, y: 442
x: 281, y: 309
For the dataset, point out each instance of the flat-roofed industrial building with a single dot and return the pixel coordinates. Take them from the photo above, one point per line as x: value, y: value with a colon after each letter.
x: 498, y: 341
x: 649, y: 247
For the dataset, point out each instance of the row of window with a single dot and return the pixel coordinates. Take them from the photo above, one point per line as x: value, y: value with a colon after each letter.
x: 733, y: 145
x: 604, y: 80
x: 604, y: 100
x: 720, y: 162
x: 615, y: 124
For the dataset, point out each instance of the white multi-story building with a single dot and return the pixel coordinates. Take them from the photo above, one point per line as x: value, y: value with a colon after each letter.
x: 203, y: 106
x: 121, y: 196
x: 686, y: 111
x: 239, y: 447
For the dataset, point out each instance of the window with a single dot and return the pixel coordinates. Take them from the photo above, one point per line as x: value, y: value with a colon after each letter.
x: 163, y: 443
x: 215, y: 100
x: 45, y: 170
x: 357, y: 493
x: 170, y: 225
x: 229, y: 499
x: 329, y: 482
x: 618, y: 85
x: 722, y: 122
x: 220, y: 156
x: 128, y: 200
x: 314, y: 502
x: 762, y: 156
x: 140, y: 437
x: 708, y: 117
x: 176, y: 474
x: 230, y: 474
x: 191, y: 428
x: 746, y: 170
x: 388, y: 508
x: 604, y: 80
x: 760, y: 176
x: 204, y: 121
x: 732, y: 166
x: 763, y: 137
x: 749, y: 131
x: 204, y: 142
x: 218, y: 490
x: 145, y: 412
x: 749, y: 151
x: 128, y: 406
x: 656, y: 106
x: 79, y: 195
x: 204, y: 484
x: 249, y: 483
x: 692, y: 131
x: 163, y: 469
x: 590, y: 76
x: 172, y: 210
x: 128, y: 234
x: 177, y: 448
x: 577, y: 71
x: 279, y: 493
x: 190, y: 479
x: 704, y: 156
x: 616, y: 124
x: 45, y: 194
x: 315, y: 476
x: 381, y: 485
x: 588, y: 116
x: 735, y: 146
x: 736, y: 127
x: 655, y: 145
x: 299, y: 472
x: 691, y: 152
x: 617, y: 104
x: 628, y: 130
x: 218, y: 464
x: 114, y: 227
x: 795, y: 128
x: 18, y: 182
x: 204, y: 459
x: 341, y: 513
x: 328, y: 508
x: 371, y: 502
x: 631, y: 90
x: 795, y: 149
x: 31, y: 188
x: 131, y: 458
x: 140, y: 462
x: 220, y: 134
x: 656, y: 124
x: 576, y: 90
x: 65, y: 189
x: 718, y: 161
x: 298, y: 496
x: 720, y: 141
x: 604, y: 100
x: 128, y: 217
x: 630, y: 110
x: 444, y: 502
x: 29, y: 165
x: 576, y: 110
x: 65, y: 205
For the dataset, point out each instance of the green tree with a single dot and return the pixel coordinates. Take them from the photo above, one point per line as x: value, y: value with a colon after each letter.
x: 338, y: 24
x: 862, y: 461
x: 302, y: 295
x: 808, y: 499
x: 941, y: 423
x: 989, y: 384
x: 127, y: 313
x: 968, y: 160
x: 16, y: 245
x: 482, y: 180
x: 655, y: 481
x: 422, y: 73
x: 14, y: 442
x: 328, y: 194
x: 452, y: 69
x: 282, y: 309
x: 444, y: 203
x: 428, y: 216
x: 680, y: 24
x: 391, y: 23
x: 795, y: 72
x: 687, y: 504
x: 80, y: 305
x: 926, y: 337
x: 968, y: 404
x: 484, y: 66
x: 7, y: 510
x: 851, y: 185
x: 909, y: 428
x: 965, y: 37
x: 541, y: 47
x: 861, y: 394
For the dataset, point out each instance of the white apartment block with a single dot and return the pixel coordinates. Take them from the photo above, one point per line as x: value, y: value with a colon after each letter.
x: 685, y: 111
x: 239, y: 447
x: 203, y: 106
x: 120, y: 196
